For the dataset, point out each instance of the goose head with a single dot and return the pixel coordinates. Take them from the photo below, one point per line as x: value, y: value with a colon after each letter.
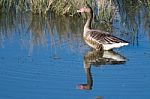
x: 86, y: 9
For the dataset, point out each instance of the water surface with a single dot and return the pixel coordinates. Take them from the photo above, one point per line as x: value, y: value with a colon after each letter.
x: 46, y: 58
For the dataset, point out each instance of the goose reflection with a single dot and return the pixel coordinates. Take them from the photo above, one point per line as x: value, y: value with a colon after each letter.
x: 98, y: 58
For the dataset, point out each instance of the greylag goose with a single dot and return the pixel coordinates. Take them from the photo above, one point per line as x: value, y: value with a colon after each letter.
x: 98, y: 39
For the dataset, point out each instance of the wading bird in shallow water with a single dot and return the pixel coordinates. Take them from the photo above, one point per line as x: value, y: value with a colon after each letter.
x: 98, y: 39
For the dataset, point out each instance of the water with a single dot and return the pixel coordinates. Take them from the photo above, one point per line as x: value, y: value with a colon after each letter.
x: 46, y: 58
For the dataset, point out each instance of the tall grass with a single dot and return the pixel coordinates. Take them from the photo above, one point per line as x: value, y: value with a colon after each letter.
x: 105, y: 8
x: 61, y: 7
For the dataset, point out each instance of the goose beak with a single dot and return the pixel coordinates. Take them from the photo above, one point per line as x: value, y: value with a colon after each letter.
x: 81, y: 10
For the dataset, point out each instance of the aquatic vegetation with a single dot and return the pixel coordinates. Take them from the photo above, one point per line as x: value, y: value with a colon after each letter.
x: 61, y: 7
x: 131, y: 12
x: 104, y: 10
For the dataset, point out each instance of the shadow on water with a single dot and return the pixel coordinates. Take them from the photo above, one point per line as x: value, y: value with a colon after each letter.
x: 98, y: 58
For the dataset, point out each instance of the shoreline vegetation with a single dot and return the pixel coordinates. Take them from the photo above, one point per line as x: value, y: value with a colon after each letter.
x: 105, y: 11
x: 67, y: 7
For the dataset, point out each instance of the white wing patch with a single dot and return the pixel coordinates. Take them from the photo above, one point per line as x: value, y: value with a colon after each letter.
x: 115, y: 45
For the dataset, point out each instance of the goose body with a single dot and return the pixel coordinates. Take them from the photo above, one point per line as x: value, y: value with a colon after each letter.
x: 98, y: 39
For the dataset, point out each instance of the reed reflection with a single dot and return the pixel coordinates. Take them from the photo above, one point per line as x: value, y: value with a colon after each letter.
x: 134, y: 19
x: 98, y: 58
x: 34, y: 31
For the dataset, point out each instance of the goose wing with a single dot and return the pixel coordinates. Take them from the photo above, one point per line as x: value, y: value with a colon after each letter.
x: 104, y: 37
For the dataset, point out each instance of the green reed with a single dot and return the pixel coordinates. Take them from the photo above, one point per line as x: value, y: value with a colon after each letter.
x: 60, y: 7
x: 64, y: 7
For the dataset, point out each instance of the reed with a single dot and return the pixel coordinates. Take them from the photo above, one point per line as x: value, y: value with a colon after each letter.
x: 104, y: 9
x: 61, y: 7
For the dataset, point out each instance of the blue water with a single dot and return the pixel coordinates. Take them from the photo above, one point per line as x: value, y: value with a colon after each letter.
x: 42, y: 58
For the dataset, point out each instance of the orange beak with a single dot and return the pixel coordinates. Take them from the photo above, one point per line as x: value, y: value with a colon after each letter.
x: 81, y: 10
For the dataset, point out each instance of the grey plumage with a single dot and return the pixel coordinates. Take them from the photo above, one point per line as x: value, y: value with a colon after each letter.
x: 98, y: 39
